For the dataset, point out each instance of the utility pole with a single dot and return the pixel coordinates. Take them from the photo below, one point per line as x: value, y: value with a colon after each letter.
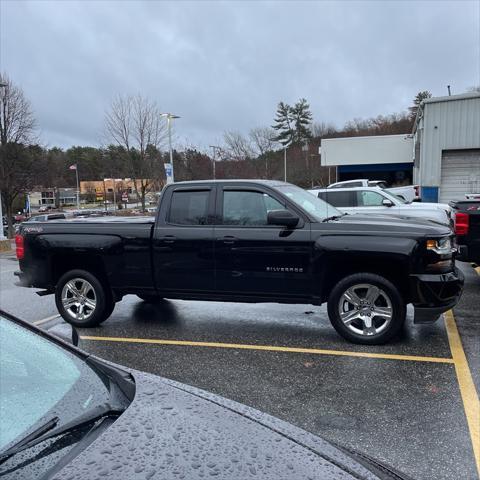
x: 2, y: 236
x: 114, y: 198
x: 214, y: 150
x: 170, y: 117
x: 285, y: 146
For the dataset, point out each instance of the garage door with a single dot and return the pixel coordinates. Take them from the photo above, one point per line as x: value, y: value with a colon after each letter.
x: 460, y: 174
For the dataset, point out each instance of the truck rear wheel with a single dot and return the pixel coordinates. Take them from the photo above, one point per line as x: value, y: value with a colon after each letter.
x: 82, y: 299
x: 366, y: 308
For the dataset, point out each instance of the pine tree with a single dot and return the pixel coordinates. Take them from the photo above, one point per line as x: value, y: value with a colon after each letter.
x: 302, y: 119
x: 283, y: 124
x: 419, y: 98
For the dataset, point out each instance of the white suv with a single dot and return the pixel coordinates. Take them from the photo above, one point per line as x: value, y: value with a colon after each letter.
x: 409, y: 193
x: 379, y: 201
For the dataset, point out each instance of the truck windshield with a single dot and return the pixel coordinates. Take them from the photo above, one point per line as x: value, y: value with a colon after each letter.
x: 315, y: 206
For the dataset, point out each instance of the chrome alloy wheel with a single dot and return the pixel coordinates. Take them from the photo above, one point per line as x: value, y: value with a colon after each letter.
x: 365, y: 309
x: 79, y: 299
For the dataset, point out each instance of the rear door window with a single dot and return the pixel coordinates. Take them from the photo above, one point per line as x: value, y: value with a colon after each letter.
x: 338, y: 199
x: 189, y: 207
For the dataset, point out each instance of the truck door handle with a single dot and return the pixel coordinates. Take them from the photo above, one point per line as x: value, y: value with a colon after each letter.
x: 228, y: 240
x: 169, y: 239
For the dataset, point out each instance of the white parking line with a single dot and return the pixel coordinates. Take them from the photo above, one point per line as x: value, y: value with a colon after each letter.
x: 45, y: 320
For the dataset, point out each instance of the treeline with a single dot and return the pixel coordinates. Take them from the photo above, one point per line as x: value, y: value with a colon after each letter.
x: 303, y: 162
x: 38, y: 167
x: 137, y: 133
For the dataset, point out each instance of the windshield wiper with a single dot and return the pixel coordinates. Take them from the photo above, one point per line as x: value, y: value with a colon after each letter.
x: 48, y: 430
x: 334, y: 217
x: 38, y: 432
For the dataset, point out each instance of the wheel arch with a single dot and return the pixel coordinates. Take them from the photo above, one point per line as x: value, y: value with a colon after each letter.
x: 396, y: 270
x: 62, y: 263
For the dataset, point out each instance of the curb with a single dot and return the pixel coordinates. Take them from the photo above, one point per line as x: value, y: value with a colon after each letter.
x: 5, y: 245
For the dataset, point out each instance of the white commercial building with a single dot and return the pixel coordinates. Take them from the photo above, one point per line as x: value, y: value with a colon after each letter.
x: 384, y: 157
x: 442, y: 154
x: 447, y: 147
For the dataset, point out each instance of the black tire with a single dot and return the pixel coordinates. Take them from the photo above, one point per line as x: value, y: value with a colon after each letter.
x: 99, y: 294
x: 150, y: 298
x: 388, y: 293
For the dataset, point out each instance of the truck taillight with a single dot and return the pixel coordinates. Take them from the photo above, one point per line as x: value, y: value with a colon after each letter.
x: 416, y: 189
x: 20, y: 246
x: 462, y: 222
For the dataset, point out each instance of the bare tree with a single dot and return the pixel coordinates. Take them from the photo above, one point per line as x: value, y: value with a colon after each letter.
x: 264, y: 144
x: 322, y: 129
x: 237, y: 146
x: 263, y: 140
x: 17, y: 133
x: 135, y: 124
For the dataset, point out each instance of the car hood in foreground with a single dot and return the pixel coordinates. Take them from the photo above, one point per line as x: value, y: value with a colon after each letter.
x: 172, y: 431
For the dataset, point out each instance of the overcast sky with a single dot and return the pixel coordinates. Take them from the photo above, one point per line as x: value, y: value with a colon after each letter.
x: 225, y: 65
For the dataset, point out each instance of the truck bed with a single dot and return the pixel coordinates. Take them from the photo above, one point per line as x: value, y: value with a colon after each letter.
x: 121, y: 245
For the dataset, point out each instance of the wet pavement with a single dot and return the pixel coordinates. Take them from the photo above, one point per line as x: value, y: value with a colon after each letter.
x: 400, y: 403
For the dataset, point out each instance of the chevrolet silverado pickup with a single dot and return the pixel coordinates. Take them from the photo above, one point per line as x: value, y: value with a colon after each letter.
x: 247, y: 241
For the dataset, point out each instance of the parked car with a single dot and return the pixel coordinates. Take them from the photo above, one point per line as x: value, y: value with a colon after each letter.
x: 69, y: 415
x: 247, y: 241
x: 368, y: 200
x: 47, y: 217
x: 466, y: 214
x: 409, y: 193
x: 46, y: 208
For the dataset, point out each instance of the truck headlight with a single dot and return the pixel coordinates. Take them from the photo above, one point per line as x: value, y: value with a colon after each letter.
x: 442, y: 246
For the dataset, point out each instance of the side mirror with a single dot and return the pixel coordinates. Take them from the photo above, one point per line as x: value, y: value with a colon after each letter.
x: 282, y: 217
x: 387, y: 203
x: 66, y: 332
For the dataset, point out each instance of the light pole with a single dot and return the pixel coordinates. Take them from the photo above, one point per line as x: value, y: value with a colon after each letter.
x: 214, y: 149
x: 2, y: 236
x: 285, y: 160
x: 170, y: 117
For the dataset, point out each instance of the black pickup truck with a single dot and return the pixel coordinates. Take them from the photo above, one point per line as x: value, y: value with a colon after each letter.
x: 247, y: 241
x: 466, y: 214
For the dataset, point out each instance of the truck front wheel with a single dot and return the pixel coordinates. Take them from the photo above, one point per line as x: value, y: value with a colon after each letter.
x: 82, y: 299
x: 366, y: 308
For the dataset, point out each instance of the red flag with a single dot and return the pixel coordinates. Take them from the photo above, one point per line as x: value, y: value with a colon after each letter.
x: 73, y: 167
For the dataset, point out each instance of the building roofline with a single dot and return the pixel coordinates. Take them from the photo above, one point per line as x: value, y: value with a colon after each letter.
x: 404, y: 135
x: 448, y: 98
x: 451, y: 98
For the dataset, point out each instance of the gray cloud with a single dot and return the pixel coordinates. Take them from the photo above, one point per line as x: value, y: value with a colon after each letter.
x: 225, y: 65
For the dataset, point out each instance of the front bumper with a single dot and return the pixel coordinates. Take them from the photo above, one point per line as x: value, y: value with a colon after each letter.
x: 434, y: 294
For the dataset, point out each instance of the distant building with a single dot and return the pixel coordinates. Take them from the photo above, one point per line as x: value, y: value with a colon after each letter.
x: 442, y: 154
x: 382, y: 157
x: 98, y: 189
x: 55, y: 197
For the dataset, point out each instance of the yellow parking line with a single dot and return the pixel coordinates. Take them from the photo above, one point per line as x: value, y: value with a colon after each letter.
x: 270, y: 348
x: 471, y: 404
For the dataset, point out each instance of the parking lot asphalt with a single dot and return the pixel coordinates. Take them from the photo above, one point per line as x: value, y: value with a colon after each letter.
x: 408, y: 403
